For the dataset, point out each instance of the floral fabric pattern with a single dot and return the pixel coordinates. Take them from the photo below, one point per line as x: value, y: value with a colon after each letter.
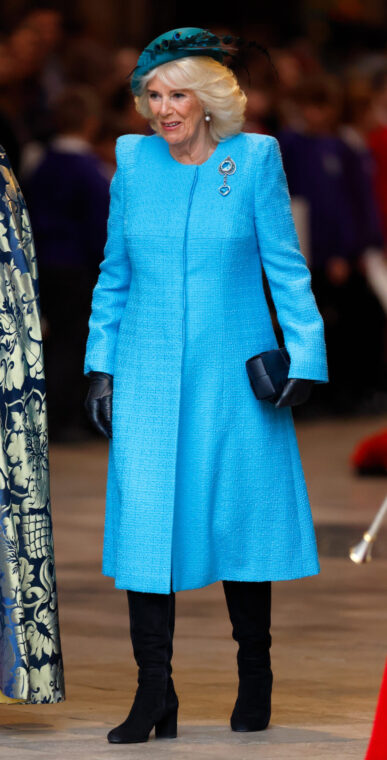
x: 31, y: 667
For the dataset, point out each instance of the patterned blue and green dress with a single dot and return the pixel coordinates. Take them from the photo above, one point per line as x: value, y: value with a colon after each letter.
x: 31, y: 668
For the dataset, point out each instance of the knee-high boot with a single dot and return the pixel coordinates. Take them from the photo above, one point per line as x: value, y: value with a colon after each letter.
x: 171, y: 628
x: 249, y: 606
x: 156, y: 703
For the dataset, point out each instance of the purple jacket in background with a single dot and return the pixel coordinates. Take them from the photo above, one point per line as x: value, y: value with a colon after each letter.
x: 68, y: 201
x: 336, y: 183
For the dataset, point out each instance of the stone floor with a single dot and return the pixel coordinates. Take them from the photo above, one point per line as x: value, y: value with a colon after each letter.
x: 329, y: 632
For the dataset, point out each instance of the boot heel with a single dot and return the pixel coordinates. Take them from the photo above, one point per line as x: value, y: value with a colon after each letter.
x: 166, y: 728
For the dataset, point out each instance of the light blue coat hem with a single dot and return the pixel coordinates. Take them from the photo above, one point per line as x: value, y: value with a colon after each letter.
x: 306, y: 573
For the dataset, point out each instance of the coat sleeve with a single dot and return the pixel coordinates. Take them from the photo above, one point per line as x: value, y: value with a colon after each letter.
x: 111, y: 291
x: 286, y: 269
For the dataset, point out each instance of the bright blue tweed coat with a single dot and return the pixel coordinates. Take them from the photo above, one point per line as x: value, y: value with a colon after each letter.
x: 204, y: 481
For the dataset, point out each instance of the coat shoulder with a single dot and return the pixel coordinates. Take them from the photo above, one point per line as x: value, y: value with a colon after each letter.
x: 126, y: 148
x: 260, y: 148
x: 257, y: 139
x: 138, y: 150
x: 257, y: 142
x: 259, y: 151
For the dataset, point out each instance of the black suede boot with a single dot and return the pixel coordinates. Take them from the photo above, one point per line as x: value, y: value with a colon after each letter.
x: 249, y: 605
x: 156, y: 702
x: 171, y: 694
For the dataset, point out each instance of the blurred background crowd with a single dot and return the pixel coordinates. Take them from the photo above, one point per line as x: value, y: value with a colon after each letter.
x: 64, y: 100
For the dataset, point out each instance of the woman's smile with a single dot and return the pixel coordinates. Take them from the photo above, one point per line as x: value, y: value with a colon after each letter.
x: 170, y: 125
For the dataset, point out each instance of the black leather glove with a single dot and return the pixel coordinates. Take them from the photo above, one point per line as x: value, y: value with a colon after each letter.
x: 98, y: 402
x: 295, y: 392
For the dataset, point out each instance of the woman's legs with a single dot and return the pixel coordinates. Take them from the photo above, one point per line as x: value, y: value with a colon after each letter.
x: 249, y: 607
x: 155, y: 704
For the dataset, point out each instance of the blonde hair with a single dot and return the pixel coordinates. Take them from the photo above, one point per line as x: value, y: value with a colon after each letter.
x: 215, y: 86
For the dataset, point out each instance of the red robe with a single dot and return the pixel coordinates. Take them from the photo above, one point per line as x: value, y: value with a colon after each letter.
x: 378, y: 143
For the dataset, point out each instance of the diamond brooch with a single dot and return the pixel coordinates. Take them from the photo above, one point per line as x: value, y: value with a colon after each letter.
x: 226, y: 167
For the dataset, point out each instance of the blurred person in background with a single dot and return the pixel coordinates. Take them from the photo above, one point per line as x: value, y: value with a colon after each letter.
x: 68, y: 197
x: 19, y: 89
x: 258, y: 109
x: 379, y: 100
x: 28, y: 56
x: 48, y: 24
x: 104, y: 142
x: 377, y: 139
x: 293, y: 64
x: 331, y: 177
x: 359, y: 120
x: 87, y: 60
x: 117, y: 92
x: 290, y: 74
x: 9, y: 138
x: 30, y: 76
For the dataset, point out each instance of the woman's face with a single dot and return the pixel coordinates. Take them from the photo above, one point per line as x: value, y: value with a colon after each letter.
x: 178, y: 113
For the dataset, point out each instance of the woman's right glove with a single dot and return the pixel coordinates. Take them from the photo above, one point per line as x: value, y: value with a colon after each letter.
x: 296, y: 391
x: 98, y: 402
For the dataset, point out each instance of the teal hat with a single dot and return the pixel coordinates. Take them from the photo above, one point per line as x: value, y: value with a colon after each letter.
x: 179, y: 43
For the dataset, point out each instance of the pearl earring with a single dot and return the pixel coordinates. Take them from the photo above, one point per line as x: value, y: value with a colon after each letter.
x: 207, y: 116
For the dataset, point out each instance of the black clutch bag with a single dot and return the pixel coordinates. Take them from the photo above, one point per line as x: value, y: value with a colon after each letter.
x: 268, y: 373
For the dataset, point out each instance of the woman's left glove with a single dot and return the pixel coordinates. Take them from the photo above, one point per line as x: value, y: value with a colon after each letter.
x: 295, y: 392
x: 98, y: 402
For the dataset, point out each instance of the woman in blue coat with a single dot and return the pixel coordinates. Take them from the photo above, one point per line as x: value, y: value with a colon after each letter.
x: 204, y: 481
